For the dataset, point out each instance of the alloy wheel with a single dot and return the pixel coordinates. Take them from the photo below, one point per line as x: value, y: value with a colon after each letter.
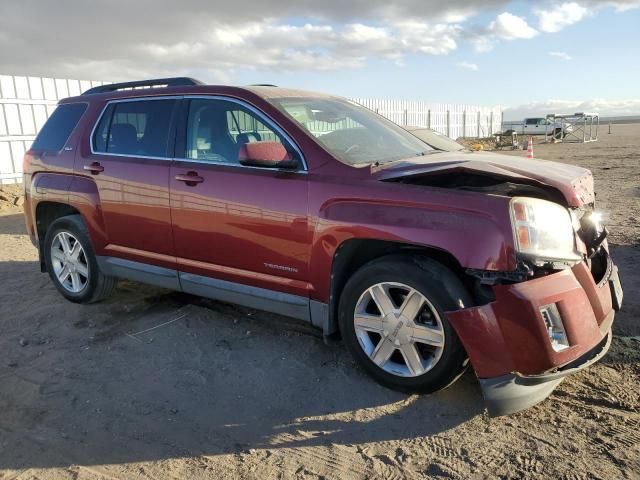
x: 399, y: 329
x: 69, y: 262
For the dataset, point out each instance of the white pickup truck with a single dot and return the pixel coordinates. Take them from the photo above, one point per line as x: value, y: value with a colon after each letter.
x: 537, y: 126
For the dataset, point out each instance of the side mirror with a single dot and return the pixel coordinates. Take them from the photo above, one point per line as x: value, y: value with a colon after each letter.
x: 266, y: 155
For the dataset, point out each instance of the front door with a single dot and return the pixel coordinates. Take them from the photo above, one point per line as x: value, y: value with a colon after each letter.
x: 129, y: 161
x: 242, y: 225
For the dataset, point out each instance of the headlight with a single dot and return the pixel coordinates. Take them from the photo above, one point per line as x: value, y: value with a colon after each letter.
x: 543, y: 231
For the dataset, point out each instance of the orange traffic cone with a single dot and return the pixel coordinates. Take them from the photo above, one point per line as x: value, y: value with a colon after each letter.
x: 530, y: 148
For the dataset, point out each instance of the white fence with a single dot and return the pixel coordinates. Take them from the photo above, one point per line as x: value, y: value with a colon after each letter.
x: 453, y: 120
x: 27, y: 102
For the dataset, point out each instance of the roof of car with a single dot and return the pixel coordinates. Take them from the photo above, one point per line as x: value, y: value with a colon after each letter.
x: 185, y: 85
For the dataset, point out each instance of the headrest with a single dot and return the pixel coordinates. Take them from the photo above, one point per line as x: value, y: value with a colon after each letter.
x: 123, y: 136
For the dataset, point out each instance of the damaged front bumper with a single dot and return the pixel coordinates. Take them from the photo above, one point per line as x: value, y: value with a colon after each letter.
x: 515, y: 392
x: 508, y: 342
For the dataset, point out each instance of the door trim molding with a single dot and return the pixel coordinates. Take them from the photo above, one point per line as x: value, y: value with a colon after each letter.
x: 246, y: 295
x: 113, y: 248
x: 286, y: 304
x: 221, y: 269
x: 139, y: 272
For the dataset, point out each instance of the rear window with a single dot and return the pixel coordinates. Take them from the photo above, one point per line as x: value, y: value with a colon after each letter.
x: 56, y: 131
x: 136, y: 128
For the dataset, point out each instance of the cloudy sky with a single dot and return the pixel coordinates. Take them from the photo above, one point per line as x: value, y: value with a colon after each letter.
x: 531, y: 56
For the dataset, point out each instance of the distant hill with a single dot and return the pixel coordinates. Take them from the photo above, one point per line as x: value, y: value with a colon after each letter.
x: 603, y: 119
x: 625, y: 119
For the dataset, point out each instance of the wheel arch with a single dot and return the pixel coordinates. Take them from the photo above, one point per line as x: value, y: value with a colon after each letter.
x: 354, y: 253
x: 46, y: 213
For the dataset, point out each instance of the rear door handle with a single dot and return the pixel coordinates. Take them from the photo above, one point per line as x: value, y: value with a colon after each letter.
x: 190, y: 178
x: 95, y: 168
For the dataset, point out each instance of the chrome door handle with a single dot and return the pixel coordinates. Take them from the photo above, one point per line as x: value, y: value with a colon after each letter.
x: 190, y: 178
x: 95, y: 168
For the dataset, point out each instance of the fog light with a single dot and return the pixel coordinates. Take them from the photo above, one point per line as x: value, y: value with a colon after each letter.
x: 555, y: 327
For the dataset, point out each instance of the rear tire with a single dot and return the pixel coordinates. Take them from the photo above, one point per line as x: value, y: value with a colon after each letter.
x: 371, y: 335
x: 71, y: 262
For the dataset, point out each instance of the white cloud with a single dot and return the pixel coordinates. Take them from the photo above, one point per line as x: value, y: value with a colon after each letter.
x: 483, y: 43
x: 430, y: 39
x: 505, y: 26
x: 562, y: 55
x: 510, y: 27
x: 561, y: 16
x: 468, y: 66
x: 213, y: 39
x: 604, y: 107
x: 269, y: 45
x: 222, y: 38
x: 619, y: 5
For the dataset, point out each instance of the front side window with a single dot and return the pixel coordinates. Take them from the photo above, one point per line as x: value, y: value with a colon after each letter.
x: 219, y: 130
x: 57, y: 130
x: 350, y: 132
x: 138, y: 128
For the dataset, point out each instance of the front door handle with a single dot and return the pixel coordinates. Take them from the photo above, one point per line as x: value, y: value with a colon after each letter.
x: 190, y: 178
x: 95, y: 168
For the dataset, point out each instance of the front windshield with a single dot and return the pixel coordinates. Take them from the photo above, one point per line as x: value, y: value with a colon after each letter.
x: 350, y: 132
x: 437, y: 140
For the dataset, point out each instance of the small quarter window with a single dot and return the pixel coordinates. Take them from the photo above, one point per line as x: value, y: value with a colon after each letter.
x: 57, y: 130
x: 137, y: 128
x: 102, y: 131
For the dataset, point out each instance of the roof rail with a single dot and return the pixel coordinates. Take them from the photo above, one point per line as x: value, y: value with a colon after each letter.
x: 262, y: 85
x: 157, y: 82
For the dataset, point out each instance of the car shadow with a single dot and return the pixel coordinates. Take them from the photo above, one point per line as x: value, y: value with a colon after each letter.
x: 151, y: 375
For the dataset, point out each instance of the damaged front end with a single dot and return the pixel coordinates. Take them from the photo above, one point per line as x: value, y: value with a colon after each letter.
x: 549, y: 318
x: 552, y: 315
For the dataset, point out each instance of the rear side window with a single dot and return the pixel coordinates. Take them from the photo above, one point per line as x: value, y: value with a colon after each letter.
x: 137, y: 128
x: 56, y: 131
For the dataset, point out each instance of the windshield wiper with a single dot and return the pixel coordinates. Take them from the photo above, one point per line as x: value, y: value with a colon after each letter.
x: 418, y: 154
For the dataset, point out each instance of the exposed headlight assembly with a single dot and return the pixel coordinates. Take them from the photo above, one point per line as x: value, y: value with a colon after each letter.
x: 543, y: 231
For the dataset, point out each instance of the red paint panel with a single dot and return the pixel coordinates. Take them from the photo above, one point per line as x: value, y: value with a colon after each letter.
x: 508, y: 335
x: 472, y: 227
x: 243, y: 225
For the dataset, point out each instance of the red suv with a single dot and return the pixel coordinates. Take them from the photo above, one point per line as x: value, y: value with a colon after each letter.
x: 311, y: 206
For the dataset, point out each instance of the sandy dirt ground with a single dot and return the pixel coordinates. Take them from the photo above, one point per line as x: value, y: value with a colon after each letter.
x: 155, y: 384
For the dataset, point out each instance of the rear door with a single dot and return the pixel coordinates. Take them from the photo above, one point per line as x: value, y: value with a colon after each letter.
x: 246, y: 225
x: 129, y: 160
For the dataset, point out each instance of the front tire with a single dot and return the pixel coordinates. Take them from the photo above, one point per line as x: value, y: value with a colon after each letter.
x: 71, y: 262
x: 392, y: 319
